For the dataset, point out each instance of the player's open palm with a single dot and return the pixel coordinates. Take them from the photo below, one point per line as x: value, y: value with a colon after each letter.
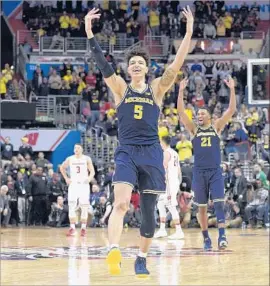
x: 230, y: 82
x: 93, y: 14
x: 190, y: 20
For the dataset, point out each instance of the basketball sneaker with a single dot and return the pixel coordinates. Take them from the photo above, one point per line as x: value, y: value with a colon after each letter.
x: 83, y: 232
x: 160, y: 233
x: 140, y: 267
x: 177, y: 235
x: 71, y: 232
x: 113, y: 260
x: 222, y: 242
x: 207, y: 244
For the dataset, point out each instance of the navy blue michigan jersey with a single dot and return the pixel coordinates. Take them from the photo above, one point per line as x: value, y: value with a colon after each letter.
x: 138, y: 116
x: 206, y: 148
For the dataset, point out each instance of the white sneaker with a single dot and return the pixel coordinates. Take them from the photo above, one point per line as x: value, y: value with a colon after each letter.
x: 177, y: 235
x: 160, y: 233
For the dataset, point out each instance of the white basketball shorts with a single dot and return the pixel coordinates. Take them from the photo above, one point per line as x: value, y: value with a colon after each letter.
x: 79, y: 192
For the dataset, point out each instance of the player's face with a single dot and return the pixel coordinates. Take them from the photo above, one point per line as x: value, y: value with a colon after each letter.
x: 137, y: 67
x: 78, y: 150
x: 203, y: 117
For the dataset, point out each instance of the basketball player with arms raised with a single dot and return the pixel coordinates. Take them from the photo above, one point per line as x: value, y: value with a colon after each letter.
x: 139, y: 158
x: 207, y: 173
x: 82, y: 172
x: 169, y: 199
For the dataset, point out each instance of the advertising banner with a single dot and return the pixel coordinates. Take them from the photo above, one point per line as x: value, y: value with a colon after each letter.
x: 40, y: 140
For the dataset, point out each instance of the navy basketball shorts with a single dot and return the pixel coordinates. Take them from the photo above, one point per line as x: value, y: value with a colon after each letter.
x: 140, y: 166
x: 206, y: 182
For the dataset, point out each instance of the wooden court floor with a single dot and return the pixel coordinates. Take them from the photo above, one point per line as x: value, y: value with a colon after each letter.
x: 37, y: 256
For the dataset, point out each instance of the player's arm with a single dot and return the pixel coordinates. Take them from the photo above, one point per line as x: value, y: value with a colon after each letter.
x: 63, y: 170
x: 113, y: 81
x: 189, y: 124
x: 162, y: 84
x: 228, y: 114
x: 166, y: 159
x: 91, y: 170
x: 179, y: 173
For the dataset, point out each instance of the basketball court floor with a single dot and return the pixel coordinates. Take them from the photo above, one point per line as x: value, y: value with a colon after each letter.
x: 43, y: 256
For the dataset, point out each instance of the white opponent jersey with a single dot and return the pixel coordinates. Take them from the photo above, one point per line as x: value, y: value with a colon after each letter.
x: 78, y: 169
x: 173, y: 169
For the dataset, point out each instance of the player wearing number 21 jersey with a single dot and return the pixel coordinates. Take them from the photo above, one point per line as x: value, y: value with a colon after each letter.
x: 207, y: 174
x: 81, y: 173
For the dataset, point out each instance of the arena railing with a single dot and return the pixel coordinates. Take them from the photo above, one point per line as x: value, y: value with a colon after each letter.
x: 266, y: 47
x: 252, y: 35
x: 51, y: 45
x: 76, y: 45
x: 72, y: 45
x: 22, y: 59
x: 23, y: 89
x: 59, y: 109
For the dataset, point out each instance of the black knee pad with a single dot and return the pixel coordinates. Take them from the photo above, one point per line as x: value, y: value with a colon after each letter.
x: 148, y: 204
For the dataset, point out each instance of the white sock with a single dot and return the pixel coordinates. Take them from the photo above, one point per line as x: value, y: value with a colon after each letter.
x: 83, y: 225
x: 142, y: 254
x: 114, y: 246
x: 72, y: 225
x: 162, y: 225
x: 178, y: 228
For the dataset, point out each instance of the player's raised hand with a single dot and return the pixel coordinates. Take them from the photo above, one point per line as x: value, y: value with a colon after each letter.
x: 93, y: 14
x: 230, y: 82
x: 68, y: 181
x: 190, y: 20
x: 183, y: 84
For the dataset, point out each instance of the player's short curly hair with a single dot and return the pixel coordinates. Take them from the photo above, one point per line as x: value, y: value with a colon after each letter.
x: 140, y: 52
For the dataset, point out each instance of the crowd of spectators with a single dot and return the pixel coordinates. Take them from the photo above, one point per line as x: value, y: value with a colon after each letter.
x: 9, y: 85
x: 211, y: 19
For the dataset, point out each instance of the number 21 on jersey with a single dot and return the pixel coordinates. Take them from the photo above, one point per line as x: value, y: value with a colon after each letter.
x: 138, y: 111
x: 206, y: 141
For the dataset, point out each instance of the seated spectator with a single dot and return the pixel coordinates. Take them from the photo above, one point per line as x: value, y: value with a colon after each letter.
x: 251, y: 54
x: 209, y: 31
x: 185, y: 203
x: 232, y: 213
x: 237, y: 48
x: 259, y: 175
x: 59, y: 214
x: 4, y: 205
x: 255, y: 209
x: 41, y: 31
x: 57, y: 42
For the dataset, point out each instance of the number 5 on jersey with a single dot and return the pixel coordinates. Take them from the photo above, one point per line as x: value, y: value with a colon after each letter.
x: 138, y: 111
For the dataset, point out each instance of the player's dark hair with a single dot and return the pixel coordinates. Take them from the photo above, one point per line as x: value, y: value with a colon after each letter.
x: 205, y: 108
x: 166, y: 140
x: 78, y: 144
x: 139, y: 52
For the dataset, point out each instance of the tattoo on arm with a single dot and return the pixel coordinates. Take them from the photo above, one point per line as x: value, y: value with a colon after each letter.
x: 168, y: 77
